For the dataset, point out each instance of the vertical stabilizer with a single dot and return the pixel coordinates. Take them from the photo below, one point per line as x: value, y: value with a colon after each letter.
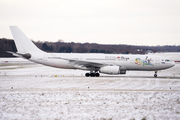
x: 23, y: 43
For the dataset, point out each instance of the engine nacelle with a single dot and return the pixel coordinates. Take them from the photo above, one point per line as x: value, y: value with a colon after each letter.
x: 123, y: 72
x: 112, y: 70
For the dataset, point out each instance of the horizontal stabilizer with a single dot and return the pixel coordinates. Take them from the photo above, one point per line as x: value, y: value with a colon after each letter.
x: 27, y: 55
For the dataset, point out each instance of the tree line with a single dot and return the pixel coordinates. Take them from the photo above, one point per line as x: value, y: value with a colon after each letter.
x: 71, y: 47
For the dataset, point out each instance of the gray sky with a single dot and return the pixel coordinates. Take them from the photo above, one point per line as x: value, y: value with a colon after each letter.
x: 135, y: 22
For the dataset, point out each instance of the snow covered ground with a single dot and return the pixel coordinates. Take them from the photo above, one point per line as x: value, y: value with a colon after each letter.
x: 40, y: 92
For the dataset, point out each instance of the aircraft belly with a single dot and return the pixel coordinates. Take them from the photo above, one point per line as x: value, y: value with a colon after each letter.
x: 61, y: 64
x: 54, y: 63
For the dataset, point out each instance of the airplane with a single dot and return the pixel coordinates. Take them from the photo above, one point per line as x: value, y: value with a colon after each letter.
x: 113, y: 64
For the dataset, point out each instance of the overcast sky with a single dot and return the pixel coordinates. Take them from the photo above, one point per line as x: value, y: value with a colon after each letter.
x: 134, y: 22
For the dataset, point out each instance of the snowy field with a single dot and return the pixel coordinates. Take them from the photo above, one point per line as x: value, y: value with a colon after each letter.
x: 40, y: 92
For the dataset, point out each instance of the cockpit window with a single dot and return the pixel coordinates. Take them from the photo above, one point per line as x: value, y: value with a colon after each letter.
x: 167, y: 60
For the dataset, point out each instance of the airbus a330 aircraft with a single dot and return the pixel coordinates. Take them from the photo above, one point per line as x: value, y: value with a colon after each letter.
x: 95, y: 63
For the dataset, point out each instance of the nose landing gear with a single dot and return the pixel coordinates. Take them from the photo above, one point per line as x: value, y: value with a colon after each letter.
x: 155, y: 75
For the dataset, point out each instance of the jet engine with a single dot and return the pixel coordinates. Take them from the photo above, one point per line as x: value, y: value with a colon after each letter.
x: 112, y: 70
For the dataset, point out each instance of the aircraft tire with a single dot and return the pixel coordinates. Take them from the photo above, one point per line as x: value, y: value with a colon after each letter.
x: 87, y: 74
x: 155, y: 75
x: 97, y: 74
x: 92, y: 74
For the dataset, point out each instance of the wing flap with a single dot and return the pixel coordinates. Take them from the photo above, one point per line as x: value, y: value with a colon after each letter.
x: 84, y: 63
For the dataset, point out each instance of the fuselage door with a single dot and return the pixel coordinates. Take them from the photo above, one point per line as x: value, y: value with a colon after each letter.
x: 83, y: 58
x: 45, y: 57
x: 132, y: 60
x: 157, y: 61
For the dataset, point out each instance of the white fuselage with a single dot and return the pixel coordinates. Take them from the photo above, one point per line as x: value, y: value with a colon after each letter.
x: 126, y: 62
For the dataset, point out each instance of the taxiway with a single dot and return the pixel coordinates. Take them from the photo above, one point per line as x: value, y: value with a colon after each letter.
x: 40, y: 92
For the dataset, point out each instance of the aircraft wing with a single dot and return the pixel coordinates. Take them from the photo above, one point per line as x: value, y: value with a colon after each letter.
x: 85, y: 63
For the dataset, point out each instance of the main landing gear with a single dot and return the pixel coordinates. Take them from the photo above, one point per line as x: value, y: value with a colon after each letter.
x: 92, y: 74
x: 155, y: 75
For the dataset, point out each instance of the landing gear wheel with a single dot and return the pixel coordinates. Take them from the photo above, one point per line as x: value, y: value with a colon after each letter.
x: 93, y: 74
x: 87, y: 74
x: 97, y: 74
x: 155, y: 75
